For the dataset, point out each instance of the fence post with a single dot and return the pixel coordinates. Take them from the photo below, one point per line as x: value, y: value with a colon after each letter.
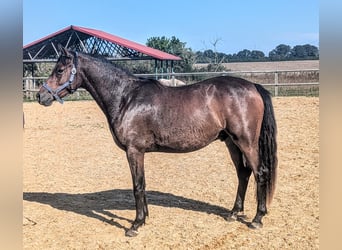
x: 28, y: 83
x: 276, y: 83
x: 25, y: 87
x: 32, y: 83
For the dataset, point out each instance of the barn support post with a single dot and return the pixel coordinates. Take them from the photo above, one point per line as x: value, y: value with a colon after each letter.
x: 167, y: 69
x: 156, y: 69
x: 32, y: 69
x: 161, y: 68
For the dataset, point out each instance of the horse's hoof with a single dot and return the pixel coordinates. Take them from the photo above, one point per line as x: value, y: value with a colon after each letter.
x: 255, y: 225
x: 131, y: 233
x: 231, y: 218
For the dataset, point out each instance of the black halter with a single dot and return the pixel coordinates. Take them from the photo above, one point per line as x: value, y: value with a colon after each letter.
x: 66, y: 85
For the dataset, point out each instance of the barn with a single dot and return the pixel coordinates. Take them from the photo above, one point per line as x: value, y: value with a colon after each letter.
x: 96, y: 42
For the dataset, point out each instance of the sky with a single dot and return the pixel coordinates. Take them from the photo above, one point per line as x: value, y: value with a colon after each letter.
x: 234, y: 25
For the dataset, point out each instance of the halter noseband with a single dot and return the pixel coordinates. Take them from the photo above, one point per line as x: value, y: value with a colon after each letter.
x: 66, y: 85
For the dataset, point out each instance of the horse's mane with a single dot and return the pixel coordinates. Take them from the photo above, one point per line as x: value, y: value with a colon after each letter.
x: 111, y: 66
x: 108, y: 64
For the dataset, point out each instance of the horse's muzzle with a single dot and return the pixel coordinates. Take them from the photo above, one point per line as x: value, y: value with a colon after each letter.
x: 45, y: 99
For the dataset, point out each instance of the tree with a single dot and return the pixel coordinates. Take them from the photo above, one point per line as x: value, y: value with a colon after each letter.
x: 298, y: 52
x: 306, y: 51
x: 257, y: 55
x: 174, y: 46
x: 213, y: 57
x: 209, y: 54
x: 244, y: 55
x: 281, y: 52
x: 312, y: 51
x: 160, y: 43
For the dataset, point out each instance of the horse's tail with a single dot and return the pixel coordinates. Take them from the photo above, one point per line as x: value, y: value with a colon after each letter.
x: 268, y: 144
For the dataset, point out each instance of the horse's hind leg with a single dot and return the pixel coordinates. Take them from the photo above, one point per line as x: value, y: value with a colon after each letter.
x: 243, y: 173
x: 251, y: 155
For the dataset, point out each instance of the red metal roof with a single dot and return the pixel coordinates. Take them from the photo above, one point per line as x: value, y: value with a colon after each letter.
x: 114, y: 39
x: 48, y: 37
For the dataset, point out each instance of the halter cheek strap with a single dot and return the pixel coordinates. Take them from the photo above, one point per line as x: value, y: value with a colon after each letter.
x: 66, y: 85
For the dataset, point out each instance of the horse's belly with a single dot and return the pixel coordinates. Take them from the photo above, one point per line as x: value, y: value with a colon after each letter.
x: 184, y: 139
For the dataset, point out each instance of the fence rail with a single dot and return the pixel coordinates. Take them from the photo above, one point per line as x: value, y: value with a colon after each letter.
x: 279, y: 83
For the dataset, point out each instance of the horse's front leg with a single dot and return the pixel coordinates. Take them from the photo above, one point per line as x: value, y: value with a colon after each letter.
x: 136, y: 164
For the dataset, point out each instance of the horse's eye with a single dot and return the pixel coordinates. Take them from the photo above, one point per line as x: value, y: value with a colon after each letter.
x: 60, y: 71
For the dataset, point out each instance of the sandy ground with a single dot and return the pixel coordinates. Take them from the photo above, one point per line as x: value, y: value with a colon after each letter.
x: 77, y: 186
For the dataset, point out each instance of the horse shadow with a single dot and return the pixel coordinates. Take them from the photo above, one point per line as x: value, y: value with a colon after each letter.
x: 96, y: 205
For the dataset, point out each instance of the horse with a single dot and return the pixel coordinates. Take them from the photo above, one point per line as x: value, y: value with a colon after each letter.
x: 146, y: 116
x: 171, y: 82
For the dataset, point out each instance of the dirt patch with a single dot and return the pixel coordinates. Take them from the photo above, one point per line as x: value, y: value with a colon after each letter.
x: 77, y: 186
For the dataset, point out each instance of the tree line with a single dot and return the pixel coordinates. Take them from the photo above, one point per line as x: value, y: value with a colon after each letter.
x: 281, y: 53
x: 214, y: 59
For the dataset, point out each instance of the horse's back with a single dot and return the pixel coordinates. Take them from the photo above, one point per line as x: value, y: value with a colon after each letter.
x: 229, y: 83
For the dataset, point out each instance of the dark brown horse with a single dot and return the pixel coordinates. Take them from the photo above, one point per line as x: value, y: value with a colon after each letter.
x: 145, y: 116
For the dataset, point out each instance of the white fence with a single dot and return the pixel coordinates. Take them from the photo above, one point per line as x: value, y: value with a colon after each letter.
x: 279, y: 83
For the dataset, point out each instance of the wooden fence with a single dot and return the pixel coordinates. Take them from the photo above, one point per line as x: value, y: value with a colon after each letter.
x: 279, y: 83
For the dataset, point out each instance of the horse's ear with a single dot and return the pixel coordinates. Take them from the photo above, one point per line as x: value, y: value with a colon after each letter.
x: 63, y: 51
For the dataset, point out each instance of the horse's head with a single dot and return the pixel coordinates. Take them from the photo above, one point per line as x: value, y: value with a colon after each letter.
x: 63, y: 79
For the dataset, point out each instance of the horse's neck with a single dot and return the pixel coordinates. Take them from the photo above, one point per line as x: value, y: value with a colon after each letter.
x: 107, y: 88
